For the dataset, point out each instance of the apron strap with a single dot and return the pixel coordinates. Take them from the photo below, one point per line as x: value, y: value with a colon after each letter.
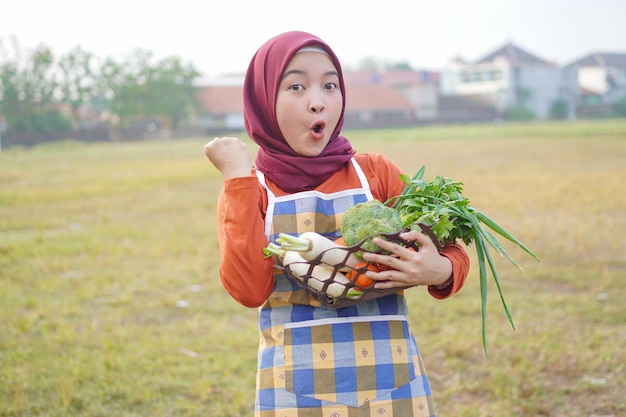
x: 271, y: 197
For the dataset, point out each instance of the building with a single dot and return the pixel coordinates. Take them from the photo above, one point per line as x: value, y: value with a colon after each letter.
x: 511, y: 79
x: 370, y: 106
x: 508, y: 82
x: 420, y: 89
x: 221, y: 104
x: 603, y: 73
x: 601, y: 77
x: 373, y: 99
x: 390, y: 98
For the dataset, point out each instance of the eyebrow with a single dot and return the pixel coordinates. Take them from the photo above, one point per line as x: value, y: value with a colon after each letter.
x: 297, y: 71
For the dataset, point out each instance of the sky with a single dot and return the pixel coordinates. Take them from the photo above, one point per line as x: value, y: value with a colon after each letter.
x: 220, y: 37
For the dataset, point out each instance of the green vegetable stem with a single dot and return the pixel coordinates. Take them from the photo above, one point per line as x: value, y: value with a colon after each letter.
x: 441, y: 205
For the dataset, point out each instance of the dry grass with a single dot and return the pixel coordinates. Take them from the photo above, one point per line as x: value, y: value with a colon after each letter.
x: 110, y: 302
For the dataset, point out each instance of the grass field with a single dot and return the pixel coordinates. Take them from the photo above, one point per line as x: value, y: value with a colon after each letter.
x: 110, y: 302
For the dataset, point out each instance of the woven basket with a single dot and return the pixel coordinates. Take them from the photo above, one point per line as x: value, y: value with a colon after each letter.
x: 347, y: 297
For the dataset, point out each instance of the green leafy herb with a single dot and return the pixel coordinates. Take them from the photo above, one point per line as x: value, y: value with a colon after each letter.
x: 441, y: 205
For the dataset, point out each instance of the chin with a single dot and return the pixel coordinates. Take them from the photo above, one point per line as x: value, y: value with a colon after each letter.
x: 311, y: 153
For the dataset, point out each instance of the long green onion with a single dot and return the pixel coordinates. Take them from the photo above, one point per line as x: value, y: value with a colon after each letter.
x: 441, y: 205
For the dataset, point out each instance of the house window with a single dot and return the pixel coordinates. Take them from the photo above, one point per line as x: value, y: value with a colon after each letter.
x: 466, y: 77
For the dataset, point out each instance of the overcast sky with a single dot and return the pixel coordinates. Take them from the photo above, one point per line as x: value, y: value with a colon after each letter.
x: 221, y: 36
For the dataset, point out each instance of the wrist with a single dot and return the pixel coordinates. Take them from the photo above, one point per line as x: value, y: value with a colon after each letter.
x: 447, y: 271
x: 237, y: 172
x: 444, y: 285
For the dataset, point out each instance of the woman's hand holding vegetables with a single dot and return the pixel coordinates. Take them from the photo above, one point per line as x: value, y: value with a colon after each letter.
x: 407, y: 266
x: 230, y: 156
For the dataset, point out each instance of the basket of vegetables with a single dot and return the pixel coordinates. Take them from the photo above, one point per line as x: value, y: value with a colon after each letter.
x: 334, y: 271
x: 331, y: 271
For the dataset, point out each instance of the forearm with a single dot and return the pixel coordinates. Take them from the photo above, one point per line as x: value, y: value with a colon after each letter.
x: 244, y: 272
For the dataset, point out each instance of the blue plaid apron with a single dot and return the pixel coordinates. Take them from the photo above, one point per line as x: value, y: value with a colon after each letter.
x: 315, y: 361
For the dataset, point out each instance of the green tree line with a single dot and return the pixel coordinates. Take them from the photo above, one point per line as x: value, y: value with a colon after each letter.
x: 43, y: 93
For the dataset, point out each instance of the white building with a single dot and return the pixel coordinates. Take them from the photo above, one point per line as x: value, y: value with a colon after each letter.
x: 601, y: 74
x: 511, y: 77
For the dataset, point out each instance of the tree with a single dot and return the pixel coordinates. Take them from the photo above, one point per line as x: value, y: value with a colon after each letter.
x: 138, y: 89
x: 77, y: 84
x: 559, y: 109
x: 27, y: 91
x: 36, y: 90
x: 520, y: 111
x: 171, y: 90
x: 620, y: 106
x: 400, y: 65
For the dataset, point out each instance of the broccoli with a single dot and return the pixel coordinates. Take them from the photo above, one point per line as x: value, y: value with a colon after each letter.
x: 367, y: 219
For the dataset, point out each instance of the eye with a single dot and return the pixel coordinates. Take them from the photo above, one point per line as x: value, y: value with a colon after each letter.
x: 296, y: 87
x: 330, y: 86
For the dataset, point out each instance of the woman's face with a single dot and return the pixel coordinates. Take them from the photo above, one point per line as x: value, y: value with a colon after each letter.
x: 309, y: 102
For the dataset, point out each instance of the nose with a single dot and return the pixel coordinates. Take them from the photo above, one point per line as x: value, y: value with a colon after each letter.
x: 316, y: 104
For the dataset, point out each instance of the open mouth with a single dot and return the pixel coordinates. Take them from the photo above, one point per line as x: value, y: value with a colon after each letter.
x: 317, y: 128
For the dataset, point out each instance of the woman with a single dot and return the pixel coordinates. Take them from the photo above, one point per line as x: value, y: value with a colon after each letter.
x: 314, y: 360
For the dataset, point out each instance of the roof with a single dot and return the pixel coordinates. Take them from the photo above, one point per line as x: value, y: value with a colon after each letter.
x: 221, y: 99
x: 391, y: 77
x: 514, y: 54
x: 229, y: 99
x: 375, y: 98
x: 601, y: 59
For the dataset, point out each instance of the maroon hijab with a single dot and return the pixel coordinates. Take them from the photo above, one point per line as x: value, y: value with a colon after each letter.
x: 290, y: 171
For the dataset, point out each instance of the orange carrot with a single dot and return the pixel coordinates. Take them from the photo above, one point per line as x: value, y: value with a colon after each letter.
x: 357, y: 275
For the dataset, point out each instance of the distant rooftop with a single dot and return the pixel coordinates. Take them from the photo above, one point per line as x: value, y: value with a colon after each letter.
x: 602, y: 59
x: 514, y: 54
x: 221, y: 80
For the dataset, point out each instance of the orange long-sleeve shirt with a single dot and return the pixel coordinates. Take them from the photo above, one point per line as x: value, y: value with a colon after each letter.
x: 247, y: 275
